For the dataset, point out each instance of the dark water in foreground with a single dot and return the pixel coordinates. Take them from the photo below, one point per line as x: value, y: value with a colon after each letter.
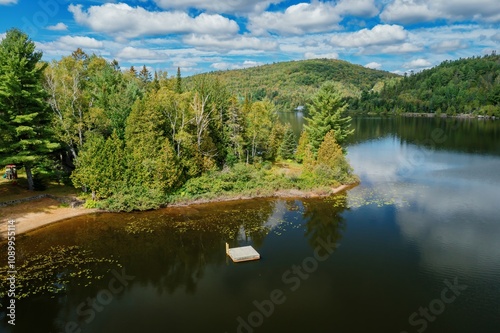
x: 414, y: 248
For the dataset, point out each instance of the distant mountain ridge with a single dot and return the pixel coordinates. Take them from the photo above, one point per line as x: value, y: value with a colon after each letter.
x: 290, y: 84
x: 463, y: 86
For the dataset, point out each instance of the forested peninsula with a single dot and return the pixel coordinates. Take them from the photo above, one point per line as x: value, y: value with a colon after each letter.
x: 131, y: 139
x: 135, y: 140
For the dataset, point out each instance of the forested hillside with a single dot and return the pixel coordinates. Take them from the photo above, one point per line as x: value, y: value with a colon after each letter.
x: 470, y: 86
x: 290, y: 84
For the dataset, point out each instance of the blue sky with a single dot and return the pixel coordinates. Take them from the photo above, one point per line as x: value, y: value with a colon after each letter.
x: 206, y: 35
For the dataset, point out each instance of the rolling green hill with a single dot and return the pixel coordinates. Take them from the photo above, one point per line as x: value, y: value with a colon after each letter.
x: 290, y: 84
x: 463, y: 86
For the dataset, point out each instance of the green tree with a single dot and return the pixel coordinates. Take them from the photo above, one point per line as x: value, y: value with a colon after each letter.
x: 87, y: 173
x: 65, y: 82
x: 178, y: 82
x: 234, y: 133
x: 331, y: 164
x: 325, y: 111
x: 152, y: 162
x: 260, y: 120
x: 100, y: 166
x: 303, y: 147
x: 113, y: 95
x: 288, y: 144
x: 145, y: 75
x: 25, y: 137
x: 216, y: 99
x: 273, y: 144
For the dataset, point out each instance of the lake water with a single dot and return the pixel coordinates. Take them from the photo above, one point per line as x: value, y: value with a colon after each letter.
x: 414, y: 248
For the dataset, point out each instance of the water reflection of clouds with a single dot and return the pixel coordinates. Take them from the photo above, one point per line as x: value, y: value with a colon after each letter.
x: 454, y: 229
x: 272, y: 222
x: 383, y: 161
x: 453, y: 201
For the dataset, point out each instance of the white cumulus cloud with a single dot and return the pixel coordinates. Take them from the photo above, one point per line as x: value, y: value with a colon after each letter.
x: 81, y: 41
x: 67, y: 44
x: 297, y: 19
x: 130, y: 52
x: 58, y: 27
x: 378, y: 35
x: 417, y: 64
x: 373, y: 65
x: 8, y: 2
x: 414, y: 11
x: 361, y: 8
x: 227, y: 65
x: 184, y: 64
x: 209, y: 42
x: 393, y: 49
x: 219, y: 6
x: 448, y: 45
x: 312, y: 55
x: 408, y: 12
x: 122, y: 20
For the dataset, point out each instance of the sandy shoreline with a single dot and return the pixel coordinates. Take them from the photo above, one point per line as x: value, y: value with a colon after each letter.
x: 41, y: 212
x: 36, y: 214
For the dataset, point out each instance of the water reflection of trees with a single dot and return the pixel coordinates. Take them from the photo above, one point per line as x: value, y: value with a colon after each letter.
x: 176, y: 254
x: 466, y: 135
x: 166, y: 250
x: 324, y: 219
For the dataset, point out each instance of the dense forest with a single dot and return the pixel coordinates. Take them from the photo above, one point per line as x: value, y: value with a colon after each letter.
x: 291, y: 84
x: 137, y: 140
x: 464, y: 86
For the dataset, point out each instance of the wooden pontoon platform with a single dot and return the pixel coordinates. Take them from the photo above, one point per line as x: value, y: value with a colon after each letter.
x: 244, y: 253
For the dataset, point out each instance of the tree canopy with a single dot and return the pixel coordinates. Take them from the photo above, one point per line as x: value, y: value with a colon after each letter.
x: 326, y: 113
x: 26, y: 137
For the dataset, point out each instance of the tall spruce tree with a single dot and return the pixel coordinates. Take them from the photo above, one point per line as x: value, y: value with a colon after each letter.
x: 145, y: 75
x: 325, y: 112
x: 178, y: 81
x: 25, y: 117
x: 288, y: 144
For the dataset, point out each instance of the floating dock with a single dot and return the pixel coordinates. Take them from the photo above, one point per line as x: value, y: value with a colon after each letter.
x: 244, y: 253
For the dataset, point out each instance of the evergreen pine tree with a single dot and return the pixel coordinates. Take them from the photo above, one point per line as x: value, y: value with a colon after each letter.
x: 132, y: 71
x: 302, y: 147
x: 152, y: 161
x: 25, y: 117
x: 88, y: 173
x: 145, y: 75
x: 178, y: 82
x: 325, y: 111
x: 289, y: 144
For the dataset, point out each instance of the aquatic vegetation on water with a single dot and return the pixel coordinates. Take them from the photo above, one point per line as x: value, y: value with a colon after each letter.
x: 361, y: 196
x: 136, y: 227
x: 57, y: 269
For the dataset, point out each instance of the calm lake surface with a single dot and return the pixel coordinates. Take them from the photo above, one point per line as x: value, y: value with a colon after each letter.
x: 414, y: 248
